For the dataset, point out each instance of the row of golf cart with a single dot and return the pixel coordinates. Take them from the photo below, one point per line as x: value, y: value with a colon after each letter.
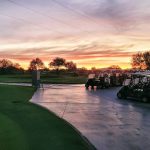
x: 104, y: 80
x: 136, y: 86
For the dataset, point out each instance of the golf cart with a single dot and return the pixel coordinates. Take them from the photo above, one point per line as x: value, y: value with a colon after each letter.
x: 137, y: 86
x: 91, y: 81
x: 116, y: 79
x: 102, y: 81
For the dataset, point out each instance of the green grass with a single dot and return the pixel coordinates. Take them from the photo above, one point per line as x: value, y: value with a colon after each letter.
x: 64, y: 80
x: 25, y: 126
x: 45, y: 79
x: 15, y: 78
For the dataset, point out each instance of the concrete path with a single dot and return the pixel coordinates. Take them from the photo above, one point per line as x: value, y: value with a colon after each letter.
x: 107, y: 122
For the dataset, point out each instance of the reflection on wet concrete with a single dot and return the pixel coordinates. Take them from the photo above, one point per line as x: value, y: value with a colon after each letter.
x: 107, y: 122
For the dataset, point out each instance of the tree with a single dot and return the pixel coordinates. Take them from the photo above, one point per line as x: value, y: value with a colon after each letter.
x: 4, y: 63
x: 17, y: 66
x: 115, y: 67
x: 8, y: 67
x: 146, y: 57
x: 57, y: 63
x: 93, y: 70
x: 138, y: 61
x: 82, y: 71
x: 36, y: 64
x: 71, y: 66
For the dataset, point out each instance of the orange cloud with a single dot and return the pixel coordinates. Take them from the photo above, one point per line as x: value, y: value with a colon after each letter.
x: 87, y: 55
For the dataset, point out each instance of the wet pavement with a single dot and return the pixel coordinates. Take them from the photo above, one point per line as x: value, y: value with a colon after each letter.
x: 107, y: 122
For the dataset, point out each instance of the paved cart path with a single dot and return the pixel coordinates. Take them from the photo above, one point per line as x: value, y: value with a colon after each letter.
x: 107, y: 122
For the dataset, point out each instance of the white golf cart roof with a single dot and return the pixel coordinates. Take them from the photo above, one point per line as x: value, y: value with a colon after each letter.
x: 91, y: 76
x: 145, y: 73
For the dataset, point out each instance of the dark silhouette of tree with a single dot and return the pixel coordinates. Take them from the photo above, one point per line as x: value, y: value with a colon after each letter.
x: 117, y: 67
x: 57, y: 63
x: 71, y: 66
x: 93, y: 68
x: 138, y: 61
x: 7, y: 67
x: 82, y: 71
x: 16, y: 65
x: 36, y: 64
x: 4, y: 63
x: 146, y: 57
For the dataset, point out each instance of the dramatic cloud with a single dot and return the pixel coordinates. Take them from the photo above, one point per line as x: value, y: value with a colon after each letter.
x: 89, y: 32
x: 89, y: 54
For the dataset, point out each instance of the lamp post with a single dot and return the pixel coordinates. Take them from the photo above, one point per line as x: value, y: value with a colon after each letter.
x: 36, y: 78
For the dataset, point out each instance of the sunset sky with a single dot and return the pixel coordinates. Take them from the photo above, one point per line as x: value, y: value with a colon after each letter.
x: 96, y: 33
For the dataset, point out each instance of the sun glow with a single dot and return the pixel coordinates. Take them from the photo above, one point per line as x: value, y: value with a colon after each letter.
x: 100, y: 40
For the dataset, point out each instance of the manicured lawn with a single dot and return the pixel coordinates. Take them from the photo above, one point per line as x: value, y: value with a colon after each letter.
x: 44, y: 79
x: 25, y: 126
x: 15, y: 78
x: 64, y: 80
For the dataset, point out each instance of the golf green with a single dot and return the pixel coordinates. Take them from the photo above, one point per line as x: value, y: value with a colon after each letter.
x: 25, y: 126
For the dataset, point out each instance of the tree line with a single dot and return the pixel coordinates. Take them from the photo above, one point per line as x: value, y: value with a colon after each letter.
x: 57, y: 63
x: 8, y: 67
x: 140, y: 60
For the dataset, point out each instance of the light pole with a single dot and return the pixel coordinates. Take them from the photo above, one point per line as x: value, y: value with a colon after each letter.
x: 36, y: 78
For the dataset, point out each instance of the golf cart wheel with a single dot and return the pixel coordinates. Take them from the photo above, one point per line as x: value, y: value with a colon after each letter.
x: 144, y: 99
x: 97, y: 87
x: 120, y: 96
x: 92, y: 87
x: 86, y: 86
